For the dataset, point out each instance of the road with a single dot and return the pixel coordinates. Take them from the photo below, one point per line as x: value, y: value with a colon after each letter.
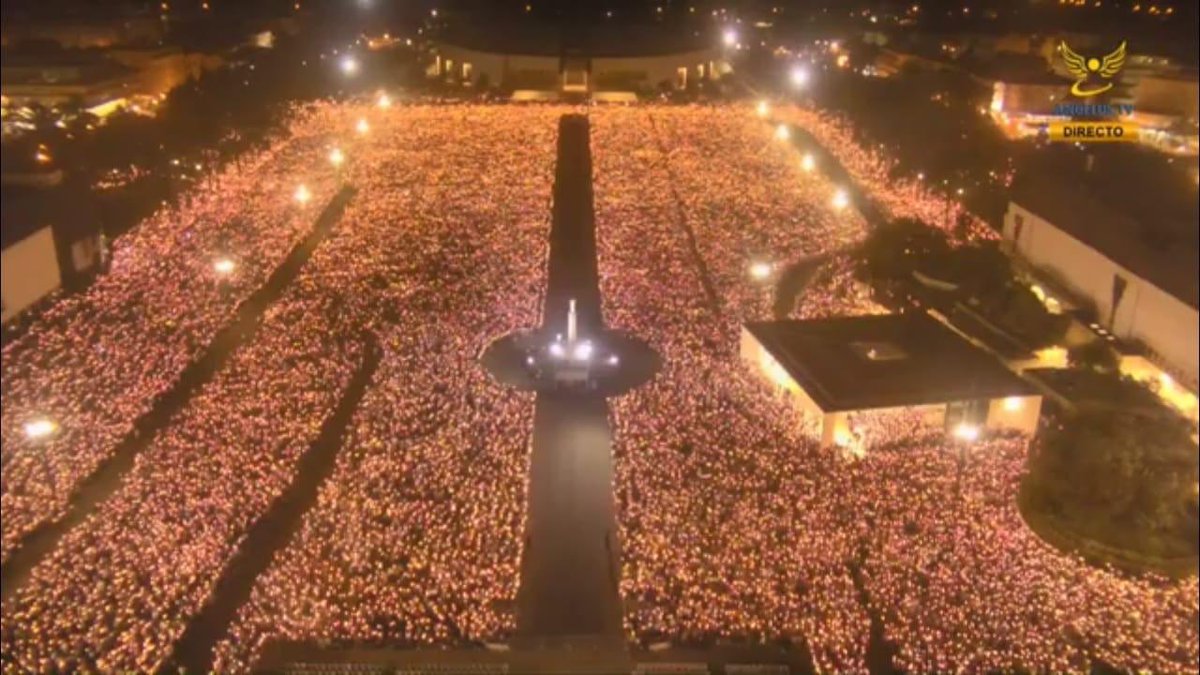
x: 569, y: 571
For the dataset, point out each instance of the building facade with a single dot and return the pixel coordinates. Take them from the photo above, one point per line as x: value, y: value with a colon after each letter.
x: 1127, y: 304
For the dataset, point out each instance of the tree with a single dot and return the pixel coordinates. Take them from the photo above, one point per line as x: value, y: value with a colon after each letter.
x: 893, y: 251
x: 1096, y: 355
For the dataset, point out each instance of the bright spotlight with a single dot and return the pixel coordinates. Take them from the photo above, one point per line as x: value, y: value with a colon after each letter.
x: 966, y: 432
x: 729, y: 37
x: 40, y: 428
x: 583, y: 351
x: 840, y: 199
x: 223, y: 266
x: 763, y: 109
x: 800, y: 77
x: 384, y: 101
x: 808, y: 162
x: 302, y: 194
x: 337, y: 157
x: 362, y: 127
x: 782, y: 133
x: 760, y: 270
x: 349, y: 65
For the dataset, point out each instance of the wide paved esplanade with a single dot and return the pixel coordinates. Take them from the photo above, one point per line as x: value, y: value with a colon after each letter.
x: 519, y: 338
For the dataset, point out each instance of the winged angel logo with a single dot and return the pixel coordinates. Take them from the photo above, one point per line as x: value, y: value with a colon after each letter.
x: 1092, y: 75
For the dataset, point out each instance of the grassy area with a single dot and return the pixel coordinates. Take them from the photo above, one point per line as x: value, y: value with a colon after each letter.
x: 1097, y: 541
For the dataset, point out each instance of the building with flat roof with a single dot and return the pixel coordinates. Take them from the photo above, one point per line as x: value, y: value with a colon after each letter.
x: 583, y: 61
x: 849, y: 377
x: 1119, y: 232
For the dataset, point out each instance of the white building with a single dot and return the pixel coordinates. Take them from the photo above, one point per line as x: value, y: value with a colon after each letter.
x: 1141, y: 291
x: 519, y: 60
x: 850, y: 379
x: 28, y: 272
x: 50, y: 239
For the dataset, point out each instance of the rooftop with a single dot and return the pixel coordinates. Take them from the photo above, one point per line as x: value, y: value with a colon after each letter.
x: 892, y: 360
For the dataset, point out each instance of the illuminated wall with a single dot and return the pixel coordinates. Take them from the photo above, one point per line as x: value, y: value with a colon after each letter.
x: 28, y: 272
x: 1167, y: 325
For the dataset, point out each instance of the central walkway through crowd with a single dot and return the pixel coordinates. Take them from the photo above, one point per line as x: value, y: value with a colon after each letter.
x: 569, y: 571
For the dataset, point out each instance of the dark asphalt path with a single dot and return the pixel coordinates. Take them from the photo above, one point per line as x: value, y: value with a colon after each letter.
x: 193, y: 651
x: 569, y: 571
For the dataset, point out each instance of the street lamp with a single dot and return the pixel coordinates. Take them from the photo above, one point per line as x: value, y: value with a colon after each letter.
x: 840, y: 199
x: 223, y: 266
x: 800, y: 77
x: 760, y: 270
x: 966, y: 432
x: 40, y: 428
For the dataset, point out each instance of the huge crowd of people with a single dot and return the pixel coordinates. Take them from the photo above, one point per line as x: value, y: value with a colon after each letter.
x: 417, y: 535
x: 734, y: 524
x: 97, y: 361
x: 436, y: 254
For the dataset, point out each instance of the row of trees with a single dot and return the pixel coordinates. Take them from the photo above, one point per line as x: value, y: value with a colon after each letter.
x: 978, y: 276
